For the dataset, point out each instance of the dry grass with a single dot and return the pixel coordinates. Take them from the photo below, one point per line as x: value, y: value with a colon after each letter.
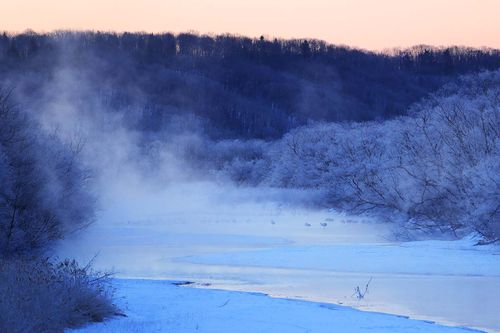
x: 42, y: 296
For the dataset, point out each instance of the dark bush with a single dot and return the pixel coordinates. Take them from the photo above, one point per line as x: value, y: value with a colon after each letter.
x: 37, y: 295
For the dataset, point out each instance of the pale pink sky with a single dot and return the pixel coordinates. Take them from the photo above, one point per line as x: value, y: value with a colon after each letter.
x: 372, y: 24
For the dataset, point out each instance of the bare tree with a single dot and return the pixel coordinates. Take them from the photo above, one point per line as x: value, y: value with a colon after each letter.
x: 44, y: 192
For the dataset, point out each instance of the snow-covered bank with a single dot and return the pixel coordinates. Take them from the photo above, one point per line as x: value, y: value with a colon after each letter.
x: 160, y: 306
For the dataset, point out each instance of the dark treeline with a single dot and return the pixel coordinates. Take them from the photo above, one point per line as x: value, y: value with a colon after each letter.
x: 236, y: 87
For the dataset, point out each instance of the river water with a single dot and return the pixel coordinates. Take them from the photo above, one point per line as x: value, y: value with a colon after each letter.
x: 154, y: 235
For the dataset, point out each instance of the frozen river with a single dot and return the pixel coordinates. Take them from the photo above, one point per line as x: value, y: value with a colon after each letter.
x: 249, y: 240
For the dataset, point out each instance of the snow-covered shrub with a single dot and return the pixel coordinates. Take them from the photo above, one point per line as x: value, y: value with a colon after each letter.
x: 44, y: 191
x: 244, y: 162
x: 45, y: 297
x: 306, y: 157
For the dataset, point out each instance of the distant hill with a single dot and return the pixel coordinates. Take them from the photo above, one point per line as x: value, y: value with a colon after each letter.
x: 235, y: 87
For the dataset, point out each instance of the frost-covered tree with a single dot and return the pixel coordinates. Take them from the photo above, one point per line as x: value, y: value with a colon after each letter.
x: 44, y: 190
x: 451, y: 153
x: 436, y: 170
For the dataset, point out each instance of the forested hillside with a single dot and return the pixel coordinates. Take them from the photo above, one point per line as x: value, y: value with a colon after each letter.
x: 233, y: 87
